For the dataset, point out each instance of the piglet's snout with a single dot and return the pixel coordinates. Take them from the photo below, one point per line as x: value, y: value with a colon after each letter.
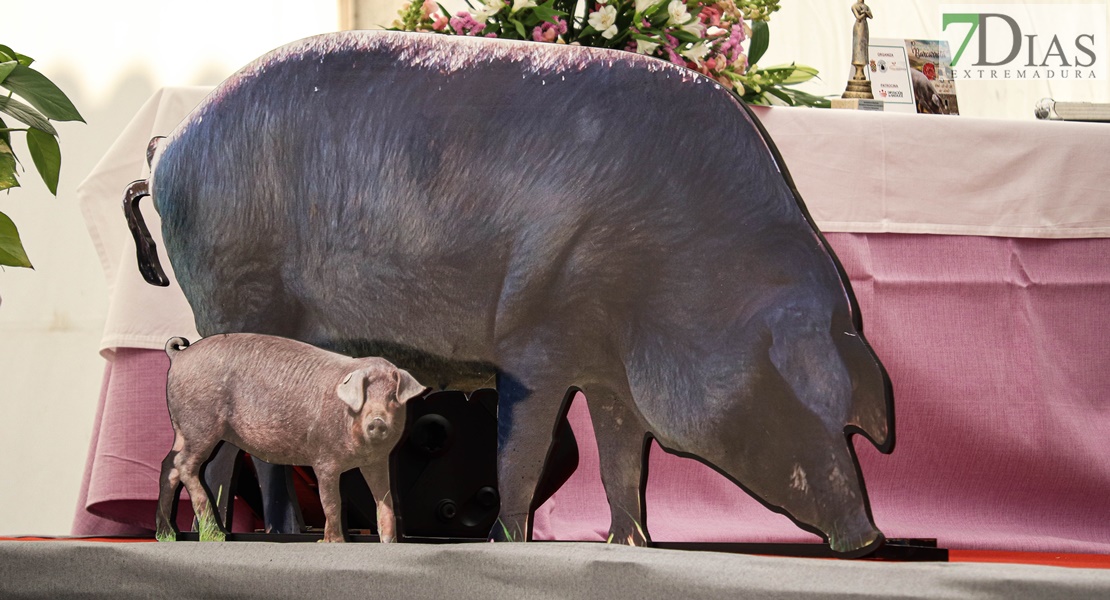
x: 379, y: 421
x: 377, y: 428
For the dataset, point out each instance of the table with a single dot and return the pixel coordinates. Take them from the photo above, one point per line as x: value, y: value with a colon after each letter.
x: 976, y: 248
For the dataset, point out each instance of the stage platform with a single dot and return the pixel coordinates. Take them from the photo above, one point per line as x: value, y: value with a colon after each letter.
x: 54, y: 569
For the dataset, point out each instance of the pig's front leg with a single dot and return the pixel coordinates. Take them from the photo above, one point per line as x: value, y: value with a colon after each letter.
x: 377, y: 478
x: 327, y: 476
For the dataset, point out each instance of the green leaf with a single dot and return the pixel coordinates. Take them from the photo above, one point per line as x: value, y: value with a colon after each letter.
x: 47, y: 157
x: 793, y: 74
x: 685, y: 36
x: 654, y: 10
x: 26, y: 114
x: 7, y: 167
x: 657, y: 18
x: 519, y: 28
x: 7, y: 54
x: 7, y: 67
x: 42, y: 94
x: 806, y: 99
x: 547, y: 12
x: 780, y: 94
x: 761, y: 38
x: 5, y: 133
x: 12, y: 253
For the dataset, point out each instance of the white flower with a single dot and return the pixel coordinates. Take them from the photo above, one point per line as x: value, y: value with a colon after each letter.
x: 643, y: 5
x: 694, y: 27
x: 696, y: 52
x: 489, y: 8
x: 679, y: 15
x: 645, y: 47
x: 519, y: 5
x: 605, y: 21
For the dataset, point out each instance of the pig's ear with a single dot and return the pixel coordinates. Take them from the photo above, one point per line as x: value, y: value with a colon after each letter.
x: 352, y: 390
x: 407, y: 386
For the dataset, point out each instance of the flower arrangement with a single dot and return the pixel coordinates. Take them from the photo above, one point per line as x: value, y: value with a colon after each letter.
x: 707, y: 36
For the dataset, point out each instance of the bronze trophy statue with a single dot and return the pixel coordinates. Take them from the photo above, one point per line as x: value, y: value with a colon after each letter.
x: 858, y: 93
x: 859, y: 86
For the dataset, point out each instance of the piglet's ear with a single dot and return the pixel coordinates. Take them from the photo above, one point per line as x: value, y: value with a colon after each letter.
x: 352, y: 390
x: 407, y: 386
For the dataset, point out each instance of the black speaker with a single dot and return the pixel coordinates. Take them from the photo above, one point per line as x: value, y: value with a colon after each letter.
x: 445, y: 467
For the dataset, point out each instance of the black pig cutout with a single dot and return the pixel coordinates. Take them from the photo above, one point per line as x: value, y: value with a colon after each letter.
x: 560, y: 218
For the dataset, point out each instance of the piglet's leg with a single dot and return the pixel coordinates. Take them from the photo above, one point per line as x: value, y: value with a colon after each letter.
x: 170, y: 480
x: 328, y: 478
x: 188, y: 465
x: 377, y: 478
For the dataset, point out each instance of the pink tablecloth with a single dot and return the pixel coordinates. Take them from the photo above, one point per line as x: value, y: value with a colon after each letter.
x: 997, y: 350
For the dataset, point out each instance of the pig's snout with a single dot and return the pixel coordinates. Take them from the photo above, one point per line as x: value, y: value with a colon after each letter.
x: 377, y: 429
x: 377, y: 395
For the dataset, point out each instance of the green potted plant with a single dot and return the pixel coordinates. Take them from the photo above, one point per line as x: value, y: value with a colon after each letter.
x: 34, y: 101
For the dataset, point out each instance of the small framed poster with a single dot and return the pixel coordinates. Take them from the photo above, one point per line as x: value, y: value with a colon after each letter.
x: 913, y: 75
x: 933, y: 84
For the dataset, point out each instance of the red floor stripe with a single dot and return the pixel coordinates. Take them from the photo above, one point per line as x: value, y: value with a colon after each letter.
x: 1078, y: 561
x: 117, y: 540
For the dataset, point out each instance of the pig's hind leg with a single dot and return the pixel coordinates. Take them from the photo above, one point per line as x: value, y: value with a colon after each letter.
x: 170, y: 485
x: 188, y: 463
x: 621, y: 442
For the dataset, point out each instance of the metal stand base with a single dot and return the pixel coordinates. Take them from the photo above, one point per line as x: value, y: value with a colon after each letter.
x: 898, y: 550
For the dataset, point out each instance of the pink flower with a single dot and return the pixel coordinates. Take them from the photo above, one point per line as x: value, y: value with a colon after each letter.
x: 464, y: 24
x: 731, y: 47
x: 738, y: 32
x: 429, y: 8
x: 549, y: 32
x: 439, y: 23
x: 710, y: 16
x: 669, y: 44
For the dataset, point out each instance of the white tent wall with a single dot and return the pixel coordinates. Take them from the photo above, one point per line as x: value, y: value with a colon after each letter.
x: 110, y: 56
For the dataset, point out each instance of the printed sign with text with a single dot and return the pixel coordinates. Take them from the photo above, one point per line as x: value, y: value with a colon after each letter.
x: 1026, y: 41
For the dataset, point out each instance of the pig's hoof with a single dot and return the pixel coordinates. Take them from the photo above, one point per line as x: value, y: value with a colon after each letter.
x: 210, y: 531
x: 212, y: 536
x: 387, y: 539
x: 635, y: 537
x: 505, y: 533
x: 858, y: 545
